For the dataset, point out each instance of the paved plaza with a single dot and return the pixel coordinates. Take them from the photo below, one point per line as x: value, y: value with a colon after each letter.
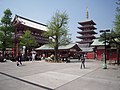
x: 40, y: 75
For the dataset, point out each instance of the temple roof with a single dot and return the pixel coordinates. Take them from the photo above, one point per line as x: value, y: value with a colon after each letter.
x: 85, y: 48
x: 87, y: 31
x: 96, y: 42
x: 87, y: 22
x: 87, y: 27
x: 29, y: 23
x: 65, y: 47
x: 83, y: 42
x: 86, y: 36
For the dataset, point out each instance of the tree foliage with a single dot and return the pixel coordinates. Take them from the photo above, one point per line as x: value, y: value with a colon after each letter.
x: 113, y: 38
x: 116, y: 31
x: 58, y: 31
x: 6, y: 30
x: 27, y: 39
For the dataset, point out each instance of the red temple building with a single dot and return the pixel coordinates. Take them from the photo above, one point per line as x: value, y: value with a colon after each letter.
x: 86, y: 35
x: 99, y: 48
x: 22, y: 24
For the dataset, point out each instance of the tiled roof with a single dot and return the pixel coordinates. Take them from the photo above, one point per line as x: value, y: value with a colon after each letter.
x: 86, y: 36
x: 96, y: 42
x: 47, y: 47
x: 87, y: 22
x: 85, y: 47
x: 81, y: 42
x: 88, y: 31
x: 30, y: 23
x: 87, y: 26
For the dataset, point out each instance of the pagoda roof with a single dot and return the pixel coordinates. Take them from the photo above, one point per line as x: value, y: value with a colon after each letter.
x: 83, y: 42
x: 86, y: 36
x: 91, y: 22
x: 87, y: 26
x: 30, y: 23
x: 88, y: 49
x: 85, y: 47
x: 87, y: 31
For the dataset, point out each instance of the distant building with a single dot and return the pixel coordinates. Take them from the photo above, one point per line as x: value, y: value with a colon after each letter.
x: 70, y: 50
x: 22, y: 24
x: 86, y: 36
x: 99, y: 49
x: 87, y: 32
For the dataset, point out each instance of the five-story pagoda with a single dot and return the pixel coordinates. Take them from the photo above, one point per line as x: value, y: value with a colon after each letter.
x: 87, y: 31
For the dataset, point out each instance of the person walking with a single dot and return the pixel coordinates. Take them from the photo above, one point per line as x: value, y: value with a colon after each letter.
x: 19, y: 59
x: 79, y: 57
x: 82, y: 61
x: 33, y: 56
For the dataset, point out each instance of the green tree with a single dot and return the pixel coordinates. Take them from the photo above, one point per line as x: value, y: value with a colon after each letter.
x: 116, y: 31
x: 113, y: 38
x: 58, y: 31
x: 28, y: 41
x: 6, y: 31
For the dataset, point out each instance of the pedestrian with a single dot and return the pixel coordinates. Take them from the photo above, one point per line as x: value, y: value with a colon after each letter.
x: 79, y: 57
x: 30, y: 57
x: 19, y: 59
x: 52, y: 57
x: 82, y: 61
x: 43, y: 56
x: 33, y: 56
x: 102, y: 57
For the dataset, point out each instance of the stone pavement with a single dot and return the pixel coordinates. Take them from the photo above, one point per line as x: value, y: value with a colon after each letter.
x: 40, y: 75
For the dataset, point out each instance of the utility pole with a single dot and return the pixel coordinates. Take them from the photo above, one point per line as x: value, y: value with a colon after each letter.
x: 104, y: 31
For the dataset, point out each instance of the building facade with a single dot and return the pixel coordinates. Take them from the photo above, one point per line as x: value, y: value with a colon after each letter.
x: 66, y: 51
x: 99, y: 49
x: 22, y: 24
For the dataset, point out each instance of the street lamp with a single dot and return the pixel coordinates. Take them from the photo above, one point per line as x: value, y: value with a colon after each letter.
x: 104, y: 31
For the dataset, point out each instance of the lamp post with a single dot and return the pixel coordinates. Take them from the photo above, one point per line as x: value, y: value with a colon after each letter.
x: 104, y: 31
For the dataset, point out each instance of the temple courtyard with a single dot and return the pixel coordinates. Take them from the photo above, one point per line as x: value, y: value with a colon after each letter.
x: 41, y: 75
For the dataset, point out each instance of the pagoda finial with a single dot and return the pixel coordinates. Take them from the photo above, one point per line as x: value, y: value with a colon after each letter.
x: 87, y: 16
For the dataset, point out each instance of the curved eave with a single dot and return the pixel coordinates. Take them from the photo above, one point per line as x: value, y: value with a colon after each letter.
x: 82, y: 37
x: 87, y: 22
x: 87, y: 27
x: 83, y: 42
x: 18, y: 20
x: 90, y: 31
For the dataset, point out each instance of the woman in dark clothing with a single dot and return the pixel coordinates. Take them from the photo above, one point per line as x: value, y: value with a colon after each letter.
x: 82, y: 61
x: 19, y: 59
x: 79, y: 57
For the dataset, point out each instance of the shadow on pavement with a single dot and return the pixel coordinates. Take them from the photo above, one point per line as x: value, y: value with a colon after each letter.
x: 79, y: 61
x: 26, y: 81
x: 21, y: 65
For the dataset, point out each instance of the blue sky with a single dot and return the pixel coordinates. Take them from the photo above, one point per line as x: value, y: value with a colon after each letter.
x: 100, y: 11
